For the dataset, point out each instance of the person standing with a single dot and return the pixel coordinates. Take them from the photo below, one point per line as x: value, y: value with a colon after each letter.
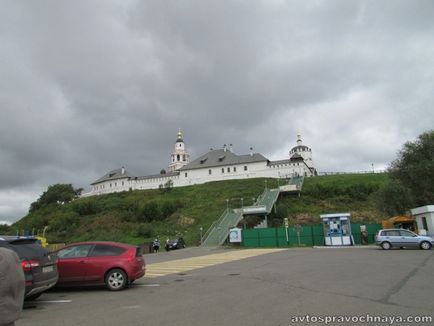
x: 166, y: 246
x: 12, y: 286
x: 156, y: 244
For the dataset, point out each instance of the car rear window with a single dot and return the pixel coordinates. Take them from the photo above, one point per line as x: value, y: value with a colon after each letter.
x: 106, y: 250
x: 139, y: 252
x: 27, y: 248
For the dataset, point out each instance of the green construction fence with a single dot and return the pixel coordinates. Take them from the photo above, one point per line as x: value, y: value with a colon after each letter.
x: 307, y: 235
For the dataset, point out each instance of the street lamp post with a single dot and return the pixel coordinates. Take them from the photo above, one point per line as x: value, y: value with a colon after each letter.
x: 201, y: 229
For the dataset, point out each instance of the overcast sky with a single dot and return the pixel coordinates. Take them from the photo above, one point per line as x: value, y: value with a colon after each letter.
x: 90, y: 86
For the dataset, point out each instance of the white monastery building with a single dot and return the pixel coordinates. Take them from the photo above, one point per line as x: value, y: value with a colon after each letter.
x: 216, y: 165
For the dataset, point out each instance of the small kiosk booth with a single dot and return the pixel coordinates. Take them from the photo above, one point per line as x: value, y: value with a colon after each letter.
x: 337, y: 229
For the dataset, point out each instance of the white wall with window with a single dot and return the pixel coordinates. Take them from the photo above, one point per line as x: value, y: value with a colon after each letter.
x: 424, y: 217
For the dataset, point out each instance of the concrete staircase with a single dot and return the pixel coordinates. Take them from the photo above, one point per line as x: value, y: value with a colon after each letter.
x: 219, y: 230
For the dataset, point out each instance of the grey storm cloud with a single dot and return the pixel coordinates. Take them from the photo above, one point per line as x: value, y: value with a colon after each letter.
x: 89, y: 86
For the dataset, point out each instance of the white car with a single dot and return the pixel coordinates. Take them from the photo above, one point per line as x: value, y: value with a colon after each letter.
x: 388, y: 238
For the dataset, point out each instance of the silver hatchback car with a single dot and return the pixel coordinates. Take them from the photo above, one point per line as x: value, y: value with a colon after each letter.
x: 388, y: 238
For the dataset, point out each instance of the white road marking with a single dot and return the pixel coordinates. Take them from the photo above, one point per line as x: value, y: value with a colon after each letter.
x: 52, y: 301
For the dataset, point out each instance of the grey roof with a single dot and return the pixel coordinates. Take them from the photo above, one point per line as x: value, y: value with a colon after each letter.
x: 156, y: 176
x: 113, y: 175
x: 220, y: 157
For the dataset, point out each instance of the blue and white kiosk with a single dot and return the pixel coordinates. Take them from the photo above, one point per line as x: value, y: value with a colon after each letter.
x: 337, y: 229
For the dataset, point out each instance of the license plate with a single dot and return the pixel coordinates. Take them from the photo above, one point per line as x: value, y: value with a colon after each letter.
x: 47, y: 269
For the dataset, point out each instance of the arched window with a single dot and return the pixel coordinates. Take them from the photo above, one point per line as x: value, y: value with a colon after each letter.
x: 178, y: 158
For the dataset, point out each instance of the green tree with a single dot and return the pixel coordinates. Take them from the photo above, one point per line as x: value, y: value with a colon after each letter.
x: 56, y: 194
x: 414, y: 168
x: 412, y: 176
x: 394, y: 198
x: 5, y: 229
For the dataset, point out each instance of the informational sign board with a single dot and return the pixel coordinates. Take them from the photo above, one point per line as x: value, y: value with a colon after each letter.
x: 235, y: 235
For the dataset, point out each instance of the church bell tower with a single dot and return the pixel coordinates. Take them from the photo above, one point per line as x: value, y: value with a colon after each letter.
x: 179, y: 156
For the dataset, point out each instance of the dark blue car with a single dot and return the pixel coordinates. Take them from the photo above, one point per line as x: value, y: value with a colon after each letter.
x: 173, y: 244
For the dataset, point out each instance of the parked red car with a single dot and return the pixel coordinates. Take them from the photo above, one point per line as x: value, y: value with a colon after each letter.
x: 113, y: 264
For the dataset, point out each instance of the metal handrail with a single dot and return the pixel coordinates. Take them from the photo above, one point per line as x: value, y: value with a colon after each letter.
x: 205, y: 236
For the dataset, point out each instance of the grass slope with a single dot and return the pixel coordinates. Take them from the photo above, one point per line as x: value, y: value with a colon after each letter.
x: 139, y: 216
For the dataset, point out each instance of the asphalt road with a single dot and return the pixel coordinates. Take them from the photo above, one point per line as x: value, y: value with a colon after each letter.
x: 270, y: 289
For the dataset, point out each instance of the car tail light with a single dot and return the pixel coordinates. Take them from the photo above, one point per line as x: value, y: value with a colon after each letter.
x: 28, y: 265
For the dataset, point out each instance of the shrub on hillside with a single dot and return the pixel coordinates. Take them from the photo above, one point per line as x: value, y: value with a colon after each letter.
x: 86, y: 206
x: 144, y: 230
x: 36, y: 220
x: 156, y: 210
x: 64, y: 221
x: 281, y: 212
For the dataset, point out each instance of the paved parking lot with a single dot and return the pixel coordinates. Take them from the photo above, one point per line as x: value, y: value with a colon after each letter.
x: 181, y: 265
x: 266, y: 289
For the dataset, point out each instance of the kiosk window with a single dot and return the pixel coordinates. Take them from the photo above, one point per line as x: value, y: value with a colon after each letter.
x: 424, y: 223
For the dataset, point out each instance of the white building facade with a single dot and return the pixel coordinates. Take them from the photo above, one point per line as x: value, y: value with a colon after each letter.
x: 424, y: 219
x: 216, y: 165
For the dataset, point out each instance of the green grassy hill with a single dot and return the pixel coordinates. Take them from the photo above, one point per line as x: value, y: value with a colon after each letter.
x: 139, y: 216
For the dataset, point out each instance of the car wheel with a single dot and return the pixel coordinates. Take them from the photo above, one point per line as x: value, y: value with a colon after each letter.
x: 386, y: 245
x: 425, y: 245
x: 116, y: 280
